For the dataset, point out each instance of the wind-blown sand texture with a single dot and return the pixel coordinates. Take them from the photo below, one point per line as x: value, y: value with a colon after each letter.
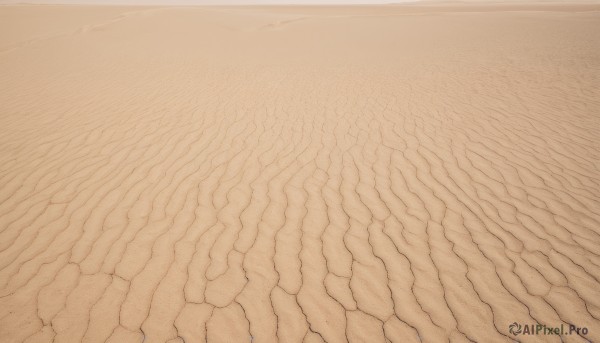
x: 298, y: 174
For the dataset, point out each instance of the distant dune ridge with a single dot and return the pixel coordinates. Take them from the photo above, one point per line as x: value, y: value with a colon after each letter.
x: 423, y: 173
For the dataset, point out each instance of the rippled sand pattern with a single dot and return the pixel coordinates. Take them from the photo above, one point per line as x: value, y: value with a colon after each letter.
x: 298, y: 174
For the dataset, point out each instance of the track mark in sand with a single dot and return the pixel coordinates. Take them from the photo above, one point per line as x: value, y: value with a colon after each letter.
x: 85, y: 29
x: 282, y: 23
x: 189, y: 194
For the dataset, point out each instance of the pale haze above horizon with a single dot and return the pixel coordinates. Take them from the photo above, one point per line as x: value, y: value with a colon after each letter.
x: 204, y: 2
x: 259, y: 2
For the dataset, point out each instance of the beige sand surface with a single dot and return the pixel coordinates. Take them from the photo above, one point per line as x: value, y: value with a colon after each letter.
x: 298, y: 174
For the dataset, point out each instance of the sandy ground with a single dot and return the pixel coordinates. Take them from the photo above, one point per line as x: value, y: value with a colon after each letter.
x: 297, y: 174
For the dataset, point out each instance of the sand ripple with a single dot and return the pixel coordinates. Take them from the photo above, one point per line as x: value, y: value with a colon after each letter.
x: 300, y: 175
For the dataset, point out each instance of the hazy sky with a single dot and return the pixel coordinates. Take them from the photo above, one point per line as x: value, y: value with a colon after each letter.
x: 252, y: 2
x: 211, y: 2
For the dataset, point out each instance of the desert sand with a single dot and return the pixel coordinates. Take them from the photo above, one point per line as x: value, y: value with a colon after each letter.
x: 416, y: 173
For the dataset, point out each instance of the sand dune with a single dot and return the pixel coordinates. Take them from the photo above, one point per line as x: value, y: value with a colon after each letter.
x: 298, y: 174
